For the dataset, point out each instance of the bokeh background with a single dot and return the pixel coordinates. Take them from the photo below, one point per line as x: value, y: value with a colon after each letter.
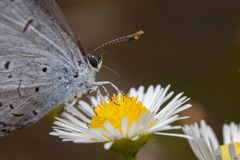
x: 192, y: 45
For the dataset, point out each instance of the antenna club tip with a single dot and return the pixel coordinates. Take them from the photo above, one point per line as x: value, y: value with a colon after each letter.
x: 139, y: 33
x: 136, y: 37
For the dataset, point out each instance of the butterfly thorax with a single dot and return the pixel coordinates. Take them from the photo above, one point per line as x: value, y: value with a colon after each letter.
x: 83, y: 77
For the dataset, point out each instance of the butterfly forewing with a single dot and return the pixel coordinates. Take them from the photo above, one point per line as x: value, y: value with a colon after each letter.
x: 53, y: 7
x: 38, y: 59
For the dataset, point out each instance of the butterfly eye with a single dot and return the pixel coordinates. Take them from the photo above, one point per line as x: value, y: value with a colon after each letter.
x: 93, y: 61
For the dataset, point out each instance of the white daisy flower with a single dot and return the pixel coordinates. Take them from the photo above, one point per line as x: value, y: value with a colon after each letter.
x: 125, y: 123
x: 206, y: 146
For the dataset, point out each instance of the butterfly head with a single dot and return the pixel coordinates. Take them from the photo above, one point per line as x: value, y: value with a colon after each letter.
x: 94, y: 63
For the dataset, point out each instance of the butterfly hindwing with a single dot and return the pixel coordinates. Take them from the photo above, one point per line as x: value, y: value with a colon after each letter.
x: 26, y: 110
x: 28, y: 94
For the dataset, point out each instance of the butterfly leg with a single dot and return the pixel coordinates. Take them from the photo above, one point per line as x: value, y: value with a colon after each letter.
x: 62, y: 109
x: 99, y: 98
x: 99, y: 95
x: 106, y: 82
x: 88, y: 94
x: 108, y: 94
x: 69, y: 106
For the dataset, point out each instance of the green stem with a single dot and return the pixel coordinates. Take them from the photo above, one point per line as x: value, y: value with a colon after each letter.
x: 129, y: 158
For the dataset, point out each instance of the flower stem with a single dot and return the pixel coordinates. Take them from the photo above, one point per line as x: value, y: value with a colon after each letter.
x: 129, y: 158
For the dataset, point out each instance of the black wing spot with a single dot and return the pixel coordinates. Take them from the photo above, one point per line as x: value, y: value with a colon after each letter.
x: 1, y: 104
x: 4, y: 130
x: 6, y: 65
x: 65, y: 69
x: 76, y: 75
x: 11, y: 106
x: 44, y: 69
x: 36, y: 89
x: 4, y: 124
x: 18, y: 115
x: 10, y: 76
x: 34, y: 112
x: 27, y: 25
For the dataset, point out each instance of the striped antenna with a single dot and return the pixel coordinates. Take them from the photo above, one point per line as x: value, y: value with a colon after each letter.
x: 131, y: 37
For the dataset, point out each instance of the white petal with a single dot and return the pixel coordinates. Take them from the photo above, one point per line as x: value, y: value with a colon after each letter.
x: 135, y: 138
x: 96, y: 133
x: 218, y: 152
x: 159, y: 123
x: 169, y: 94
x: 86, y: 108
x: 108, y: 126
x: 218, y: 158
x: 81, y: 116
x: 226, y: 134
x: 156, y: 102
x: 182, y: 108
x: 232, y: 151
x: 108, y: 145
x: 84, y: 141
x: 160, y: 99
x: 74, y: 120
x: 234, y: 132
x: 174, y: 135
x: 170, y: 108
x: 206, y: 131
x: 164, y: 128
x: 156, y: 92
x: 115, y: 133
x: 211, y: 146
x: 131, y: 129
x: 94, y: 101
x: 199, y: 146
x: 133, y: 92
x: 103, y: 132
x: 140, y: 93
x: 139, y: 123
x: 124, y: 125
x: 148, y: 95
x: 147, y: 120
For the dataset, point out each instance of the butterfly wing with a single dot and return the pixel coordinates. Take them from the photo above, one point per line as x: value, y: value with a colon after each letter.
x: 27, y: 23
x: 28, y: 95
x: 53, y: 7
x: 38, y: 59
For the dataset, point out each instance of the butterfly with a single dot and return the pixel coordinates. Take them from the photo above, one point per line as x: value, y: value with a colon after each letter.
x: 42, y: 63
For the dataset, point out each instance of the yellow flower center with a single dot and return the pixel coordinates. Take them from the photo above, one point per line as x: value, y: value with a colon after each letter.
x: 225, y: 152
x: 115, y: 110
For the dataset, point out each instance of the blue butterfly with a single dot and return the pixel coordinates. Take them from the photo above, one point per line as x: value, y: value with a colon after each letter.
x: 42, y: 63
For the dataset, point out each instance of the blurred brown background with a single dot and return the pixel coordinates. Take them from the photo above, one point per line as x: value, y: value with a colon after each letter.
x: 192, y: 45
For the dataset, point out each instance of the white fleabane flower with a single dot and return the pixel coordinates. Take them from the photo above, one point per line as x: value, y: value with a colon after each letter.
x: 125, y: 123
x: 206, y: 146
